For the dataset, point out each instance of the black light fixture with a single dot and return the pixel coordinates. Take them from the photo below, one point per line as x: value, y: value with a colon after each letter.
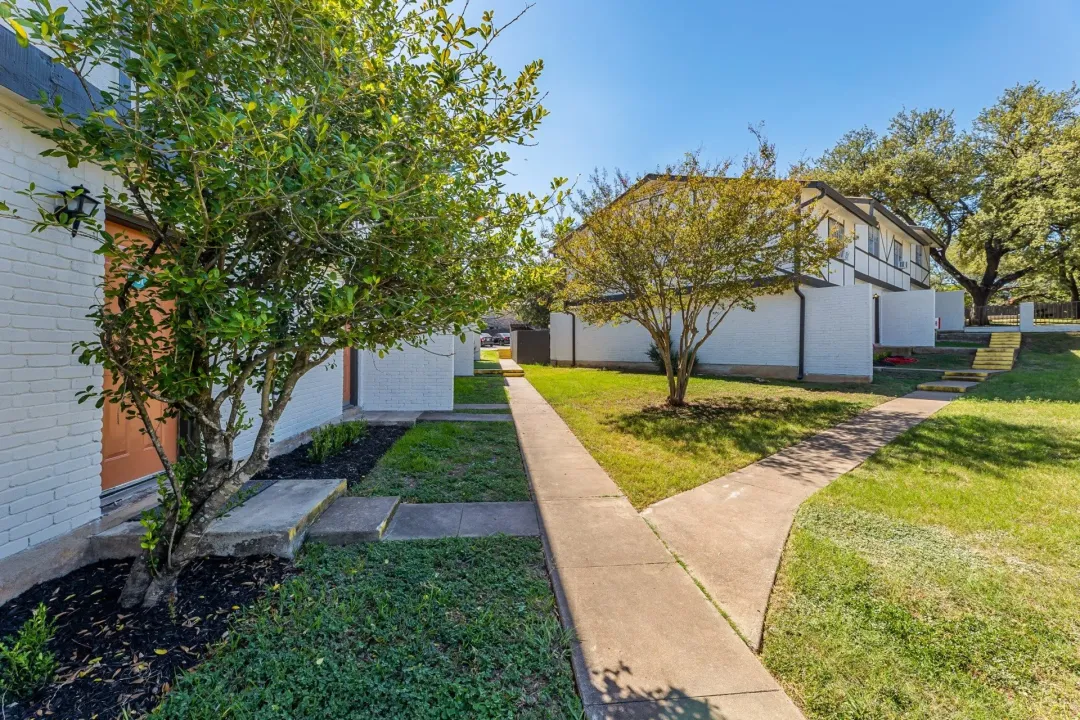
x: 78, y: 204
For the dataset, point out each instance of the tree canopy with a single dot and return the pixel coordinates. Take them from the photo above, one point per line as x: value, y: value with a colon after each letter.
x: 993, y: 193
x: 680, y: 249
x: 314, y: 175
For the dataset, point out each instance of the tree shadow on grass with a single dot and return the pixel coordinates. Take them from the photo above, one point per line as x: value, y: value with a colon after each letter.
x: 760, y: 425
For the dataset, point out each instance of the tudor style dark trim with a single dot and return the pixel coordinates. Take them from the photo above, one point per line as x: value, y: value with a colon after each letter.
x: 878, y: 282
x: 28, y: 72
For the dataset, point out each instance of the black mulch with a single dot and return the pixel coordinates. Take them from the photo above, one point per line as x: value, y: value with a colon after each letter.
x: 112, y: 660
x: 352, y: 463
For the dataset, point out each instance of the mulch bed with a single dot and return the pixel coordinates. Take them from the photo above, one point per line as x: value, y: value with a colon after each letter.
x: 352, y: 463
x: 112, y: 660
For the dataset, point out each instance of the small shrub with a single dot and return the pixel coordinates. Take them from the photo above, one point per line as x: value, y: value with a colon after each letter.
x: 658, y: 360
x: 25, y: 664
x: 329, y: 440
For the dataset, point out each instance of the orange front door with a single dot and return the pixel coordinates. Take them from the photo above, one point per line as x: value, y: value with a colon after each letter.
x: 126, y: 452
x: 346, y: 387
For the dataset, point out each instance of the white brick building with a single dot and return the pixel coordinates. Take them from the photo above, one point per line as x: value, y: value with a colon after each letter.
x: 874, y: 292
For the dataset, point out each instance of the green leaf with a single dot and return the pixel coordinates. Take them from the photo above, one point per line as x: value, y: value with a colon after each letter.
x: 20, y: 33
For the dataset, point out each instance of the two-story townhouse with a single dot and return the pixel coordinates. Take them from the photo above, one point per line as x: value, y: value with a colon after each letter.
x: 882, y: 250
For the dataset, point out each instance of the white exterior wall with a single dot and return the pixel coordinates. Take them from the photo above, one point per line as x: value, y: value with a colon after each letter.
x: 625, y: 343
x: 907, y: 318
x: 840, y: 331
x: 767, y: 336
x: 464, y: 352
x: 316, y: 400
x: 949, y: 307
x: 412, y: 378
x: 50, y: 446
x: 839, y: 335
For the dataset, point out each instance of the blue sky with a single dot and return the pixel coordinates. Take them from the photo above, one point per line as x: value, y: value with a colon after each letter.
x: 636, y: 83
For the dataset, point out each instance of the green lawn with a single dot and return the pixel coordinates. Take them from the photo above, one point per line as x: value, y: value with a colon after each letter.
x: 941, y: 579
x: 486, y: 365
x: 451, y: 462
x: 491, y: 355
x: 653, y: 452
x: 424, y: 630
x: 485, y: 390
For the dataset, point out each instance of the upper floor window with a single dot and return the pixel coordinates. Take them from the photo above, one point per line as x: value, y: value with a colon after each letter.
x: 919, y: 256
x: 836, y: 229
x: 873, y: 242
x: 897, y: 252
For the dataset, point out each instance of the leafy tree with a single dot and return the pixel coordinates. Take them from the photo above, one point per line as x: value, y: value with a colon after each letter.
x: 678, y: 251
x: 315, y: 175
x: 534, y: 293
x: 984, y: 191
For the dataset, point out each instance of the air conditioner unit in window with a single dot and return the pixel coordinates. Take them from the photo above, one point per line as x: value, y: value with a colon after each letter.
x: 844, y: 254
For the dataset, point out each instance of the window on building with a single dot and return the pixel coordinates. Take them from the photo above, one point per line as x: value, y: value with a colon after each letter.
x: 836, y: 229
x: 897, y: 252
x: 873, y: 242
x: 919, y: 256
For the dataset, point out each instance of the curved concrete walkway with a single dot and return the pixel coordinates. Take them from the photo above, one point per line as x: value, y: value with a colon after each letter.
x: 731, y: 532
x: 649, y: 644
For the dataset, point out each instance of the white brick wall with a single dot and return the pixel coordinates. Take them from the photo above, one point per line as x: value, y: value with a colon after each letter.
x: 949, y: 306
x: 464, y: 352
x: 837, y: 343
x: 907, y: 318
x: 412, y: 378
x: 316, y: 400
x: 50, y: 446
x: 763, y: 337
x: 840, y: 331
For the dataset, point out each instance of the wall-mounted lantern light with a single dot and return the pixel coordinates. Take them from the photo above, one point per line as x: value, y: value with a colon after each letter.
x: 78, y: 204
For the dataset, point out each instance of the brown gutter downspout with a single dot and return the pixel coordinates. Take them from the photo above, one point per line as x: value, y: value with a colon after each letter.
x: 573, y: 339
x: 802, y: 301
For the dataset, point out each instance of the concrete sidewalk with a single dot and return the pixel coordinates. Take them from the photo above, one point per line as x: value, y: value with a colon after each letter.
x: 649, y: 643
x: 731, y: 532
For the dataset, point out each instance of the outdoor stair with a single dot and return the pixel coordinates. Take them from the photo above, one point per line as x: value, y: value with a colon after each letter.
x: 999, y: 357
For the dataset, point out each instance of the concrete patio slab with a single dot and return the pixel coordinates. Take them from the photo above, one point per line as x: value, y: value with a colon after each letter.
x: 599, y: 532
x: 432, y: 416
x: 499, y: 518
x: 731, y: 532
x: 352, y: 520
x: 425, y: 522
x: 274, y: 522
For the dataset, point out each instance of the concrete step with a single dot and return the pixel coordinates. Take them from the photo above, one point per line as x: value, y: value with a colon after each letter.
x: 981, y: 374
x: 352, y: 520
x: 503, y: 373
x: 986, y: 366
x: 274, y: 522
x: 949, y: 386
x: 995, y: 352
x: 967, y: 377
x: 434, y: 416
